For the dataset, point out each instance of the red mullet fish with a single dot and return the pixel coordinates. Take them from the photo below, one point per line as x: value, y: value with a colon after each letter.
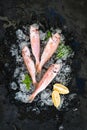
x: 29, y: 64
x: 35, y: 42
x: 49, y: 50
x: 46, y: 80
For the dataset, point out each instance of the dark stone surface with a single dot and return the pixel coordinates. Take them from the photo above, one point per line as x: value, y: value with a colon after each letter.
x: 74, y: 16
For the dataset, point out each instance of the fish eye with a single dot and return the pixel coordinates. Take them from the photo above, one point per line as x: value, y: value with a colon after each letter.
x: 36, y: 29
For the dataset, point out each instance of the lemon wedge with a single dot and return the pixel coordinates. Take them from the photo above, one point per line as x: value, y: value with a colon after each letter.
x: 60, y: 88
x: 56, y: 98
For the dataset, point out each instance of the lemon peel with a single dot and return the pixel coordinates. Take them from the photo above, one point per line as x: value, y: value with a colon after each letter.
x: 56, y: 98
x: 60, y: 88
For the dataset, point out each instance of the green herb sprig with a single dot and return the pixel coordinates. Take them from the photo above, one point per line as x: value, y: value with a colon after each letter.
x: 63, y: 51
x: 48, y: 35
x: 27, y: 81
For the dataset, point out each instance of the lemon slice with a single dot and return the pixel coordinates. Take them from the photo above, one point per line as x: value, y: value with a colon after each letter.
x: 60, y: 88
x: 56, y: 98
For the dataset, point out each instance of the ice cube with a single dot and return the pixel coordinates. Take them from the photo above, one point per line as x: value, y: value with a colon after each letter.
x: 23, y: 88
x: 58, y: 61
x: 58, y: 30
x: 22, y: 76
x: 62, y: 38
x: 42, y: 35
x: 36, y: 109
x: 20, y: 96
x: 48, y: 101
x: 20, y: 34
x: 19, y: 58
x: 72, y: 96
x: 16, y: 72
x: 14, y: 51
x: 67, y: 68
x: 61, y: 127
x: 45, y: 94
x: 22, y: 44
x: 13, y: 86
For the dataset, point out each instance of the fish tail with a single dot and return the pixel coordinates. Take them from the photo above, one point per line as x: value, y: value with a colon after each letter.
x: 39, y: 68
x: 35, y: 84
x: 31, y: 98
x: 37, y: 65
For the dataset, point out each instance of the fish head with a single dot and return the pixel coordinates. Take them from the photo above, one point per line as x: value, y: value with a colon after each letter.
x: 26, y: 51
x: 56, y: 37
x: 34, y: 28
x: 56, y: 68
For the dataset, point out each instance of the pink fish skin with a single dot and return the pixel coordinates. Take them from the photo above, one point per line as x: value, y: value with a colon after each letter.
x: 49, y: 50
x: 46, y: 80
x: 35, y: 43
x: 29, y: 64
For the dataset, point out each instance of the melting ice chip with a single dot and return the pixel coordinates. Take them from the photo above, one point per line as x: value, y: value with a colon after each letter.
x: 48, y: 101
x: 36, y: 109
x: 14, y: 50
x: 61, y: 127
x: 45, y: 94
x: 72, y: 96
x: 66, y: 68
x: 64, y: 75
x: 20, y: 96
x: 19, y: 58
x: 62, y: 38
x: 22, y: 44
x: 23, y: 88
x: 21, y: 77
x: 16, y: 72
x: 13, y: 86
x: 58, y: 30
x: 20, y: 34
x: 46, y: 97
x: 59, y: 61
x: 42, y: 35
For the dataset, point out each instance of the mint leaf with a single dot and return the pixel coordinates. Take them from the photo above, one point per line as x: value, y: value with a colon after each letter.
x: 49, y: 34
x: 27, y: 81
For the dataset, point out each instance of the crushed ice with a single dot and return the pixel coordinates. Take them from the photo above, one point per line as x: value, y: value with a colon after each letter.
x: 44, y: 97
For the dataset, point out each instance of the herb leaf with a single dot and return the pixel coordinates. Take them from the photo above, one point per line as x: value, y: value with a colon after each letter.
x: 49, y: 34
x: 63, y: 51
x: 27, y: 81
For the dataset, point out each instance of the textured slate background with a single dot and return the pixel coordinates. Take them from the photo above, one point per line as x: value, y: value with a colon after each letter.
x: 75, y: 16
